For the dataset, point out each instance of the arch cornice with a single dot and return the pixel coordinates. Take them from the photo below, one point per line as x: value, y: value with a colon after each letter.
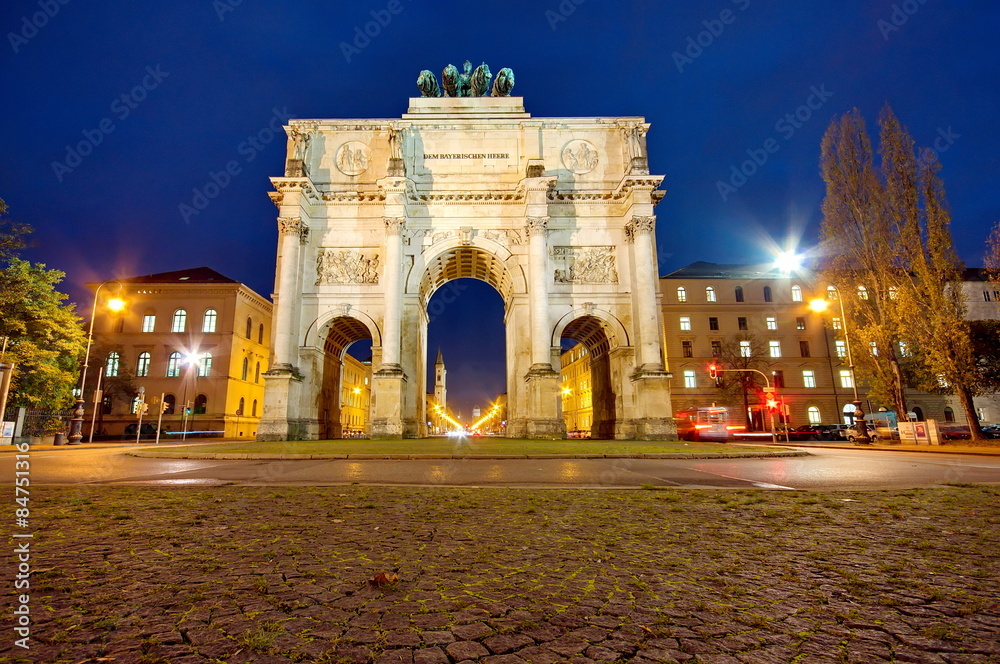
x: 618, y: 336
x: 320, y: 323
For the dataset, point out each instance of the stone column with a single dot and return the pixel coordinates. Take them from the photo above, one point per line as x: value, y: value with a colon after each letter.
x: 536, y: 229
x: 389, y: 381
x: 639, y: 232
x: 291, y: 231
x: 393, y: 277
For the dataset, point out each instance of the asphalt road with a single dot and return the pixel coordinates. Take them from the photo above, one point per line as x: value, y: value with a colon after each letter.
x: 824, y: 469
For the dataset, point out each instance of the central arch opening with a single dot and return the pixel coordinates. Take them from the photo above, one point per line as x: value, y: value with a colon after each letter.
x: 465, y: 293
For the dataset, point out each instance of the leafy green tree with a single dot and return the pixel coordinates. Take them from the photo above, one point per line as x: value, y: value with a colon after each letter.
x: 45, y: 336
x: 746, y: 352
x: 12, y: 235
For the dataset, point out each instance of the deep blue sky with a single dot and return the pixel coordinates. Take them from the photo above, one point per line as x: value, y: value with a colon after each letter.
x: 117, y: 212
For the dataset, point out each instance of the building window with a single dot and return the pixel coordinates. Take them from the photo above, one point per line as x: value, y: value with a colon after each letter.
x: 745, y: 350
x: 862, y: 293
x: 832, y: 293
x: 808, y: 378
x: 949, y: 414
x: 837, y: 324
x: 772, y: 323
x: 246, y: 367
x: 200, y: 404
x: 260, y: 334
x: 716, y: 348
x: 174, y: 365
x: 689, y: 379
x: 804, y: 348
x: 205, y: 364
x: 841, y: 348
x: 986, y: 296
x: 813, y: 414
x: 686, y: 323
x: 111, y: 366
x: 253, y: 411
x: 686, y: 350
x: 739, y: 293
x: 741, y: 322
x: 142, y: 365
x: 775, y: 348
x: 846, y: 379
x: 682, y: 294
x: 239, y: 411
x: 256, y: 374
x: 713, y: 323
x: 942, y: 381
x: 249, y: 327
x: 149, y: 322
x: 169, y: 403
x: 796, y: 293
x: 873, y: 347
x: 778, y: 378
x: 981, y: 414
x: 710, y: 294
x: 767, y: 294
x: 179, y: 322
x: 800, y: 323
x: 209, y: 323
x: 893, y: 293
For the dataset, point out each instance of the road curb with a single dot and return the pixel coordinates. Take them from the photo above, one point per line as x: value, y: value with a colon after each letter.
x: 923, y: 449
x: 156, y: 454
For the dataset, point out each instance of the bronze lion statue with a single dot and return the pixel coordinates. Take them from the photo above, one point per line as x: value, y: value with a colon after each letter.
x: 480, y: 81
x: 503, y: 83
x: 428, y: 84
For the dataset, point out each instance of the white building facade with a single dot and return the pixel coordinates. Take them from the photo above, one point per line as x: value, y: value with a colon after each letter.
x: 374, y: 215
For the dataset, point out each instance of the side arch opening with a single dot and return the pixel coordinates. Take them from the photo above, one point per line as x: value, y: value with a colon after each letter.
x: 344, y: 402
x: 590, y: 403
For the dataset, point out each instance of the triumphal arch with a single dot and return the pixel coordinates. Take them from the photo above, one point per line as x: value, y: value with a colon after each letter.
x: 556, y: 214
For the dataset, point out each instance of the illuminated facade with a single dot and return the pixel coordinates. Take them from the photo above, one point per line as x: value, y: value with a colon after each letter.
x: 193, y: 336
x: 577, y: 398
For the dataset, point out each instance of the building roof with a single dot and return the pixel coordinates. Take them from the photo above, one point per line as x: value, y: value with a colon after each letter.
x: 440, y: 358
x: 198, y: 275
x: 703, y: 270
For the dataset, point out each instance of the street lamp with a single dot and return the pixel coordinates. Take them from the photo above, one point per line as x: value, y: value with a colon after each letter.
x: 113, y: 304
x: 820, y: 305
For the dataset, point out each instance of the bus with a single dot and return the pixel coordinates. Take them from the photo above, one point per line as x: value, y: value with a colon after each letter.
x: 706, y: 423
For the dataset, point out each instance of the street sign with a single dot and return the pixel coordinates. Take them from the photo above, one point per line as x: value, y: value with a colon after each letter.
x: 769, y: 390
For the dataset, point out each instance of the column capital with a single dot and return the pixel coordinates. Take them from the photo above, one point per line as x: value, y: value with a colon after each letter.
x: 639, y: 225
x: 291, y: 226
x: 536, y: 225
x: 394, y: 225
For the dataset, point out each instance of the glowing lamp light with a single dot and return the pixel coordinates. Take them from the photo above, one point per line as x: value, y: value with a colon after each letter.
x: 115, y: 304
x: 788, y: 261
x: 819, y: 305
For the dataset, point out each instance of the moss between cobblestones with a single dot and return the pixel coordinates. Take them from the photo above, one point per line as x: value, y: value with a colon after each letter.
x: 232, y: 574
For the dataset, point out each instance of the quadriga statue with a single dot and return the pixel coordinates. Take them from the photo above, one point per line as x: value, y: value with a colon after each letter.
x: 467, y: 83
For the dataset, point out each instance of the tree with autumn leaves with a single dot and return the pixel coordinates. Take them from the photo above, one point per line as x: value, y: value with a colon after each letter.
x: 888, y: 250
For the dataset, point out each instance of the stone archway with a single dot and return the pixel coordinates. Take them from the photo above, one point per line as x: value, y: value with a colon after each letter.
x: 375, y: 215
x: 341, y: 333
x: 593, y: 333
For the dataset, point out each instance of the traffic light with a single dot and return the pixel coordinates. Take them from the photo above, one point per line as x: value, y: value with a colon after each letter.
x: 713, y: 371
x: 773, y: 404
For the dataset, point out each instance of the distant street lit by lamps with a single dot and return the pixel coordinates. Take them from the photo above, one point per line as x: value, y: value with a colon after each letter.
x: 115, y: 304
x: 819, y: 305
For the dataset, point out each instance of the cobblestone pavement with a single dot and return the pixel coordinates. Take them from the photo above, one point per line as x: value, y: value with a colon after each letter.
x: 504, y: 576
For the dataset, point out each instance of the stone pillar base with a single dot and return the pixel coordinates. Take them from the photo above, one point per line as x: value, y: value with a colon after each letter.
x: 544, y: 419
x: 282, y: 393
x: 653, y: 411
x: 387, y: 394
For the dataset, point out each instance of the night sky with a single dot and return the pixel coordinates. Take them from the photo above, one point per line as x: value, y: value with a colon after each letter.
x: 162, y: 95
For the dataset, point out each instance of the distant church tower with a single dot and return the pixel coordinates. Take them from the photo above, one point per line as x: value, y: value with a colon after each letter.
x: 440, y: 391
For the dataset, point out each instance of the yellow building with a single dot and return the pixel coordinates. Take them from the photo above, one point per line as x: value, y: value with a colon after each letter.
x: 577, y: 398
x: 191, y: 337
x: 355, y: 397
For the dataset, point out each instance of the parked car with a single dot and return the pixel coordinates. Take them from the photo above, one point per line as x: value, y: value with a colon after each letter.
x: 804, y: 432
x: 991, y: 431
x: 148, y: 431
x: 838, y: 431
x: 954, y: 432
x: 876, y: 433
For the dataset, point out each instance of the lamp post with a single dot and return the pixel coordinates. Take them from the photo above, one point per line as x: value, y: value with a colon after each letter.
x: 114, y: 304
x: 820, y: 305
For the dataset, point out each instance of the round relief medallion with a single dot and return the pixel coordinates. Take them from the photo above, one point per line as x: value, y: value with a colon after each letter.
x: 353, y: 158
x: 579, y: 156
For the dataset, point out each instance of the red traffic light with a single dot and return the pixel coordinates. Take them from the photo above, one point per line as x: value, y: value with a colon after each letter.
x: 713, y: 371
x: 773, y: 404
